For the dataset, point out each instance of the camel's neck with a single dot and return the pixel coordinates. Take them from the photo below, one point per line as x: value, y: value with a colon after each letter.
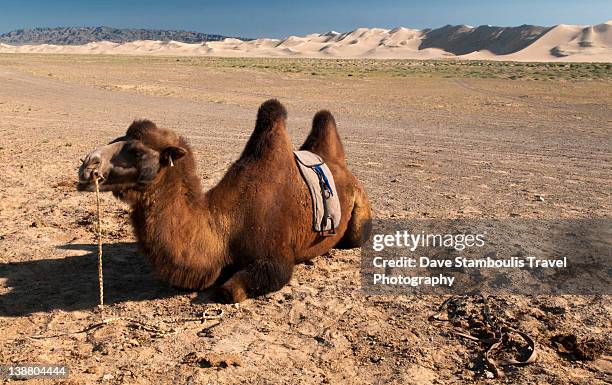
x: 175, y: 225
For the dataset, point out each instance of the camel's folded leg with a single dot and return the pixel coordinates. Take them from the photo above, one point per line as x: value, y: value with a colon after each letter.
x: 258, y: 278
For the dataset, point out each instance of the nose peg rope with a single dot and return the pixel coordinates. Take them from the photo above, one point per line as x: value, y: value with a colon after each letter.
x: 159, y: 328
x: 99, y: 230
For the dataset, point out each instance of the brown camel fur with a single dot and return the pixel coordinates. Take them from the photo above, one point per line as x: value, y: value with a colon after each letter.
x: 254, y: 226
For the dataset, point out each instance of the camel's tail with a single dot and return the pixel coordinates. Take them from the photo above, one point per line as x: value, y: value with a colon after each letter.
x: 323, y: 139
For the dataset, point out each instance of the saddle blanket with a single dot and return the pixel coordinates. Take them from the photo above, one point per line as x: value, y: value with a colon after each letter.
x: 320, y: 182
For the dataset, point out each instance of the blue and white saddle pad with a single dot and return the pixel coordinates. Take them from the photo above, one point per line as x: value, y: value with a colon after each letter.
x: 320, y: 181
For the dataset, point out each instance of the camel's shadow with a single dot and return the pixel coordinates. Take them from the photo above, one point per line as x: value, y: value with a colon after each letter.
x: 71, y: 283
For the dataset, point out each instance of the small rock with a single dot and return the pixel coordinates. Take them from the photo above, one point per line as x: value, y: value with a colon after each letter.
x: 585, y: 349
x: 558, y: 310
x: 376, y: 359
x: 207, y: 332
x: 212, y: 360
x: 107, y: 377
x: 538, y: 198
x: 489, y: 374
x: 92, y: 370
x: 537, y: 313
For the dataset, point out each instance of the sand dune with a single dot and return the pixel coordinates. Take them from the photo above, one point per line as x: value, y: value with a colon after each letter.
x: 524, y: 43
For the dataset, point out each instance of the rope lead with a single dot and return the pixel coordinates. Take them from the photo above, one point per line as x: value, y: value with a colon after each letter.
x: 100, y: 274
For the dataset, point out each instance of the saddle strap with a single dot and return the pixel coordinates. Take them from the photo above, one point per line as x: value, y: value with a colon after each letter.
x: 326, y: 193
x: 323, y: 179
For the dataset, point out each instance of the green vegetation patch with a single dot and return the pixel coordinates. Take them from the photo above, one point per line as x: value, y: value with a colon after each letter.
x: 362, y: 67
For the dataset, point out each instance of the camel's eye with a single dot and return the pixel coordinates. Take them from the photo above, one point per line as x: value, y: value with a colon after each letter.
x: 136, y: 150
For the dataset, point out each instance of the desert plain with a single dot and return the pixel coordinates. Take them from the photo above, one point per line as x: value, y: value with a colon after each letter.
x: 429, y: 139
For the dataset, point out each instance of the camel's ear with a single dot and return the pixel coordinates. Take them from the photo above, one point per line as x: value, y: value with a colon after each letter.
x: 170, y: 154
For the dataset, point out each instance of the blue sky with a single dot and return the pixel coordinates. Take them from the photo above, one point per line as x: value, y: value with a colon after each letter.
x: 282, y: 18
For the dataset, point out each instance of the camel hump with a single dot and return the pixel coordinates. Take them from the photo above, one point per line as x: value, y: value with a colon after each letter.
x: 323, y: 138
x: 271, y: 114
x: 269, y: 135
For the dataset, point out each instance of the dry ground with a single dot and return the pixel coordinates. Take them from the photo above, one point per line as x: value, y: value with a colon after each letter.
x: 433, y: 143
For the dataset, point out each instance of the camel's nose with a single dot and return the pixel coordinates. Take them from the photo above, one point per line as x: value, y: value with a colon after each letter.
x: 89, y: 168
x: 98, y: 163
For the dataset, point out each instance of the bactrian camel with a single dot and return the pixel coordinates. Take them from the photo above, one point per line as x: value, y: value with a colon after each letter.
x: 251, y: 228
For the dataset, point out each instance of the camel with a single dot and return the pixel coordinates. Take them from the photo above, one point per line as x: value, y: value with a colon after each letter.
x: 242, y: 238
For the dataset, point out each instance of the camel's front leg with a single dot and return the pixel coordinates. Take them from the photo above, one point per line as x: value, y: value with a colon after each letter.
x: 190, y: 278
x: 258, y: 278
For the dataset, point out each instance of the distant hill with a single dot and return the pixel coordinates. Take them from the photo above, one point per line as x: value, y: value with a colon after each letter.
x: 568, y: 43
x: 462, y: 39
x: 84, y: 35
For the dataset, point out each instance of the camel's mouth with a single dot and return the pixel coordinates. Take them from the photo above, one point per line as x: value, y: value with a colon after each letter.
x: 87, y: 176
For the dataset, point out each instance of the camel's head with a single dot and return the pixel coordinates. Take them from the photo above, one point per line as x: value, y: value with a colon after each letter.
x: 132, y: 162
